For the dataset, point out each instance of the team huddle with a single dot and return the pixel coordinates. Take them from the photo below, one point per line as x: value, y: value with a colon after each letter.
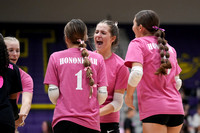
x: 88, y: 87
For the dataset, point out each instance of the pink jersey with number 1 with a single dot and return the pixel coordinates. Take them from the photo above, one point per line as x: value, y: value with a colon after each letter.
x: 65, y: 70
x: 156, y: 94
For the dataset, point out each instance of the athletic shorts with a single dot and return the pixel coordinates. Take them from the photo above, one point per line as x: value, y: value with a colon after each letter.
x: 109, y: 127
x: 70, y: 127
x: 165, y: 119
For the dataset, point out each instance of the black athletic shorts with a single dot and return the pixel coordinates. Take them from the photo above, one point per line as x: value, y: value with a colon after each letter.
x: 165, y: 119
x: 109, y: 127
x: 70, y: 127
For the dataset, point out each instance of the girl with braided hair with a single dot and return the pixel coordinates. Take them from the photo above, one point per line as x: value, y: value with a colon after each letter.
x: 155, y: 73
x: 10, y: 85
x: 77, y: 83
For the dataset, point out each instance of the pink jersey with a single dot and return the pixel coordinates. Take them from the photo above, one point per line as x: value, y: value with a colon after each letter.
x: 117, y: 75
x: 156, y: 94
x: 27, y: 82
x: 65, y: 70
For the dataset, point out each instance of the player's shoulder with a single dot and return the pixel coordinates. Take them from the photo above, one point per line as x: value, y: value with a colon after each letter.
x: 12, y: 67
x: 95, y: 54
x: 118, y: 59
x: 22, y: 72
x: 58, y: 52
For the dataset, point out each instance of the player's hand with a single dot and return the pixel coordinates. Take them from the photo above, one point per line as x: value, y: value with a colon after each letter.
x: 129, y: 101
x: 20, y: 121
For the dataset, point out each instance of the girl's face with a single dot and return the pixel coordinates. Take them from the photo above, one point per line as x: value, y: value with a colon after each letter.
x: 13, y: 50
x: 136, y: 29
x: 102, y: 38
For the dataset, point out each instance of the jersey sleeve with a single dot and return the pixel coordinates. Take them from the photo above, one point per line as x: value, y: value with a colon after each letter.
x: 102, y: 78
x: 27, y: 81
x: 51, y: 76
x: 134, y: 53
x: 122, y: 78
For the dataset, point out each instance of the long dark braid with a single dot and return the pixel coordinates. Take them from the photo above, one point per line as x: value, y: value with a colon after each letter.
x: 150, y: 20
x: 164, y: 53
x: 87, y: 64
x: 4, y: 58
x: 76, y: 32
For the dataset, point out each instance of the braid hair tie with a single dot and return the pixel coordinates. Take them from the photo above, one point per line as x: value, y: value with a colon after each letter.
x: 81, y: 41
x: 157, y: 28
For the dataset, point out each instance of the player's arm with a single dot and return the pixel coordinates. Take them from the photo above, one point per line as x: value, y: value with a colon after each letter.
x: 102, y: 94
x: 25, y: 108
x: 53, y: 93
x: 115, y: 105
x: 178, y: 82
x: 26, y: 103
x: 134, y: 79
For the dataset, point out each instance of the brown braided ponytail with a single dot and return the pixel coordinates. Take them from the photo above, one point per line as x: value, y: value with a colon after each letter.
x: 76, y: 32
x: 164, y: 52
x: 150, y: 21
x: 86, y: 63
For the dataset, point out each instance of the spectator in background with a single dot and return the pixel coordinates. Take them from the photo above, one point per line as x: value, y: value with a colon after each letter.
x: 46, y: 127
x: 188, y: 121
x: 128, y: 124
x: 196, y: 120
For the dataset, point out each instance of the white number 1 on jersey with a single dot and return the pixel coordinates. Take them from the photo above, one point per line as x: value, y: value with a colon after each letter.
x: 79, y: 80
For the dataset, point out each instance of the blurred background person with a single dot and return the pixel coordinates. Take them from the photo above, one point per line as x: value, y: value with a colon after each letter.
x: 46, y: 127
x: 128, y: 123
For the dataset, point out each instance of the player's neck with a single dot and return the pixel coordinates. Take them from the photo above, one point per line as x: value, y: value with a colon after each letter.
x: 105, y: 54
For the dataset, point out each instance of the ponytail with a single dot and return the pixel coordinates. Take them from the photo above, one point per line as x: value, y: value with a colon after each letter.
x: 87, y: 64
x: 162, y: 43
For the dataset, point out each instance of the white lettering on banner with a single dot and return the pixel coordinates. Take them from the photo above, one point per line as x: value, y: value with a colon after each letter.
x: 76, y: 60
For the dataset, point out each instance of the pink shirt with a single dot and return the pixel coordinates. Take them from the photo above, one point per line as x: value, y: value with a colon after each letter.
x: 27, y: 82
x: 65, y: 70
x: 117, y: 75
x: 156, y: 94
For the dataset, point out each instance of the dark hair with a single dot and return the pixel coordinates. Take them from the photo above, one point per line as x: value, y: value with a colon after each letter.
x: 149, y: 19
x: 4, y: 58
x: 76, y: 32
x: 114, y: 31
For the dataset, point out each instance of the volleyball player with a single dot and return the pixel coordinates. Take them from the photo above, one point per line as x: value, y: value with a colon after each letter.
x: 155, y: 74
x: 80, y: 77
x: 106, y: 39
x: 13, y: 47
